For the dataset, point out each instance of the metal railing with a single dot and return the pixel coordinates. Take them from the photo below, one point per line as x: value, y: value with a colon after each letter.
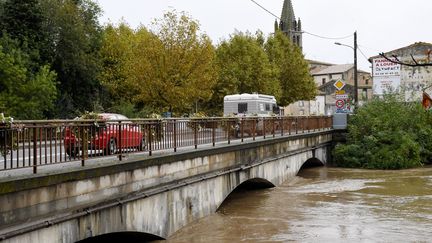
x: 31, y: 144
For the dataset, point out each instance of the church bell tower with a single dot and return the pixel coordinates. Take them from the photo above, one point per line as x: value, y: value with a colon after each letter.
x: 289, y: 25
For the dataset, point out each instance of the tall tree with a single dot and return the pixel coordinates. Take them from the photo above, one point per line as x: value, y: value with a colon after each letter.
x: 182, y: 63
x: 116, y: 54
x: 243, y: 68
x: 167, y: 68
x: 23, y: 21
x: 75, y: 37
x: 296, y: 83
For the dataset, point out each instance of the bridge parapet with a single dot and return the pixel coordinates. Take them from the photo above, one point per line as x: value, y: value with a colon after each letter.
x: 40, y: 144
x: 196, y: 181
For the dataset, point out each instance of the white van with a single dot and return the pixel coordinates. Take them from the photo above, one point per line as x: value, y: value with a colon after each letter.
x: 250, y: 105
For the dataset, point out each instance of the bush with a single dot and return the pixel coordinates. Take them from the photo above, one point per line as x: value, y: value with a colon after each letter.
x: 387, y: 134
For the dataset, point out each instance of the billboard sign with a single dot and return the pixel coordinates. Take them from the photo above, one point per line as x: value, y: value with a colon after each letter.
x: 383, y: 67
x: 386, y: 76
x: 382, y: 85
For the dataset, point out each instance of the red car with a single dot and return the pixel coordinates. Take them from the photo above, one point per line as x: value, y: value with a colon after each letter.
x: 104, y: 135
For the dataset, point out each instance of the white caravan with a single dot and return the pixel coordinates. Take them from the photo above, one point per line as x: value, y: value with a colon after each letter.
x: 250, y: 105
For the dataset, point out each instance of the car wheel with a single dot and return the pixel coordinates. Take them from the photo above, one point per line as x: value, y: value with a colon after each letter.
x: 72, y: 152
x: 111, y: 147
x: 143, y: 145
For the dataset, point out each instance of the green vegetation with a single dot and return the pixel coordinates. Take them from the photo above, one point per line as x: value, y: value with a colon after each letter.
x: 57, y: 61
x: 387, y: 134
x: 292, y: 70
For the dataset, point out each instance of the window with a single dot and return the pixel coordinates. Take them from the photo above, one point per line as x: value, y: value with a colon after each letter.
x: 242, y: 107
x: 323, y: 80
x: 367, y: 81
x: 267, y: 107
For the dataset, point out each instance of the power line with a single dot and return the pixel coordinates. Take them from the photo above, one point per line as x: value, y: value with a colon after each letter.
x: 329, y: 38
x: 268, y: 11
x: 319, y: 36
x: 372, y: 49
x: 362, y: 53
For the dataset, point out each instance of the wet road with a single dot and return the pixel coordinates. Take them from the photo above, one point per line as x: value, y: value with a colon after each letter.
x: 326, y: 205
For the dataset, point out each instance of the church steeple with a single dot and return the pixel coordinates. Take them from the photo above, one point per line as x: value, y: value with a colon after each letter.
x: 287, y: 16
x: 289, y: 25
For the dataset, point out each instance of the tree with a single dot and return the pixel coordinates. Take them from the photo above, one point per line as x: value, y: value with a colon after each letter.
x: 180, y: 64
x: 167, y: 68
x: 387, y: 134
x: 75, y: 38
x: 24, y: 94
x: 116, y: 54
x: 23, y: 21
x: 243, y: 67
x: 293, y: 72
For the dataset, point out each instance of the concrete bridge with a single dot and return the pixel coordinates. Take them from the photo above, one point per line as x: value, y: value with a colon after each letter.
x: 149, y: 196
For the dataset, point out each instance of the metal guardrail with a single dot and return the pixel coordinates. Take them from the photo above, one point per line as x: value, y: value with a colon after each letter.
x: 31, y: 144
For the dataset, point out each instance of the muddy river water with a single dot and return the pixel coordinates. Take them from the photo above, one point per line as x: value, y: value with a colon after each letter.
x: 325, y: 205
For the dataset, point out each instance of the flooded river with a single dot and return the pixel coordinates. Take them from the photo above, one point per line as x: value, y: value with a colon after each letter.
x: 327, y: 205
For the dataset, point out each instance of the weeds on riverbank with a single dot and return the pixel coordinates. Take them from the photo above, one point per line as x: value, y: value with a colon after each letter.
x: 387, y: 133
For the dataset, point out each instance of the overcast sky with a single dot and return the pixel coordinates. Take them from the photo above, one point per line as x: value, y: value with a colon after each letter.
x: 382, y: 25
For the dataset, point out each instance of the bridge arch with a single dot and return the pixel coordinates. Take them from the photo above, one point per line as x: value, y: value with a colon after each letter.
x: 249, y: 184
x: 312, y: 162
x: 127, y: 236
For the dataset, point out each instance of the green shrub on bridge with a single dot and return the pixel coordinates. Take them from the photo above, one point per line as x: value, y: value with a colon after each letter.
x: 387, y: 134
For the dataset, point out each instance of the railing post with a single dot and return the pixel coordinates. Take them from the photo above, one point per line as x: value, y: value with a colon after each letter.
x: 150, y: 135
x: 83, y: 144
x: 282, y: 126
x: 213, y: 132
x: 263, y: 127
x: 254, y: 127
x: 195, y: 128
x: 289, y: 125
x: 120, y: 140
x: 273, y: 121
x: 175, y: 134
x: 228, y: 128
x: 34, y: 149
x: 3, y: 145
x: 242, y: 129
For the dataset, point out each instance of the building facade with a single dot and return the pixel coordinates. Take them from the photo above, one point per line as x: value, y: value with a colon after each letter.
x: 325, y: 79
x: 314, y: 107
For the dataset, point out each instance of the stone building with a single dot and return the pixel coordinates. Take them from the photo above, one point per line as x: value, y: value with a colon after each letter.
x: 410, y: 81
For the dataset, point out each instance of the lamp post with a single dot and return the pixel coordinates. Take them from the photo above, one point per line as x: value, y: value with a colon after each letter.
x: 355, y: 66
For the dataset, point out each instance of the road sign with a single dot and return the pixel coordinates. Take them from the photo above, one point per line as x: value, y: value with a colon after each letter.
x: 342, y: 97
x: 340, y: 104
x: 339, y: 84
x: 340, y: 92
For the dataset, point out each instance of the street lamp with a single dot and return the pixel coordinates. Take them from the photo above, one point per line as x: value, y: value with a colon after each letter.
x: 355, y: 66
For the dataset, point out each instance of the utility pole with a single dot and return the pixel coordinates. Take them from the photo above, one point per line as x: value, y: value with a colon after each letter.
x: 355, y: 71
x: 355, y: 67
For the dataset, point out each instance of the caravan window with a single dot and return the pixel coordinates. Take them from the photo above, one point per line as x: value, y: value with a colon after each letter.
x: 267, y: 107
x: 242, y: 107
